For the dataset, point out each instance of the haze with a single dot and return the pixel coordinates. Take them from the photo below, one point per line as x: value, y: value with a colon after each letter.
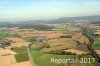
x: 13, y: 10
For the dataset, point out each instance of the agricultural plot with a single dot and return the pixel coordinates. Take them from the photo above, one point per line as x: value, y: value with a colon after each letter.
x: 26, y: 63
x: 43, y: 59
x: 5, y: 35
x: 7, y: 60
x: 96, y: 45
x: 60, y: 44
x: 22, y: 54
x: 64, y: 47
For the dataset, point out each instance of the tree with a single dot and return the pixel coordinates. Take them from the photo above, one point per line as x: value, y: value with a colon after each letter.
x: 5, y: 42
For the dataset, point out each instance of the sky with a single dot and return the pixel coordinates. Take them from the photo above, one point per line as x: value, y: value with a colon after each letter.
x: 14, y: 10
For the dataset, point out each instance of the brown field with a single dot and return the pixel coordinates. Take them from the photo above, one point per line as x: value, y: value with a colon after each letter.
x: 26, y: 63
x: 98, y: 38
x: 77, y: 35
x: 18, y: 44
x: 60, y: 41
x: 98, y: 33
x: 75, y: 51
x: 94, y: 27
x: 80, y: 37
x: 7, y: 52
x: 17, y: 40
x: 59, y: 44
x: 98, y: 51
x: 58, y: 48
x: 47, y: 34
x: 6, y: 60
x: 7, y: 57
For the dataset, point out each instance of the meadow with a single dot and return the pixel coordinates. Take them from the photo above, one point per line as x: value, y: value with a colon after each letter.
x: 43, y: 59
x: 22, y: 54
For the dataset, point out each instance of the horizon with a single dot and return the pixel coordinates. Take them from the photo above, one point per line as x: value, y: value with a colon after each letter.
x: 19, y: 10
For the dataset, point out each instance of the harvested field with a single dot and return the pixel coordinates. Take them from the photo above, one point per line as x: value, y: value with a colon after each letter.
x: 80, y: 37
x: 47, y: 34
x: 18, y: 44
x: 26, y: 63
x: 94, y: 27
x: 75, y: 51
x: 98, y: 33
x: 6, y: 60
x: 98, y: 51
x: 98, y: 38
x: 77, y: 35
x: 17, y: 40
x: 7, y: 52
x: 60, y: 44
x: 58, y: 48
x: 61, y: 41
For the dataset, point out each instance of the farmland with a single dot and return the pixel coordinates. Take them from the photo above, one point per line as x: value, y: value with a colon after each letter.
x: 5, y: 35
x: 49, y: 32
x: 61, y: 42
x: 43, y: 59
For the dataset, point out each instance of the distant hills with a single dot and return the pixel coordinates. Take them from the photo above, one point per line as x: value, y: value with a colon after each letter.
x: 65, y: 20
x: 90, y: 19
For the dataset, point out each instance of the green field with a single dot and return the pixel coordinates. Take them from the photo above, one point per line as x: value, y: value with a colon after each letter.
x: 62, y: 28
x: 20, y: 50
x: 22, y: 57
x: 43, y: 59
x: 5, y: 35
x: 22, y: 54
x: 96, y: 44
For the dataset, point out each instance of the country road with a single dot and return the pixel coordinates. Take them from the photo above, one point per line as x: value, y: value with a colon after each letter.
x: 30, y: 56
